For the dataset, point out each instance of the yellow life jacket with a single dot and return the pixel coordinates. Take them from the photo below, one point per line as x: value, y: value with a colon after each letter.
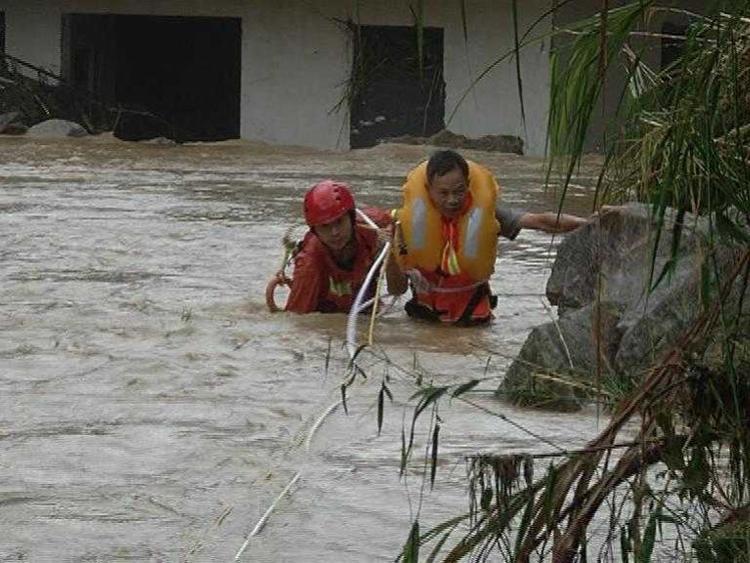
x: 421, y: 225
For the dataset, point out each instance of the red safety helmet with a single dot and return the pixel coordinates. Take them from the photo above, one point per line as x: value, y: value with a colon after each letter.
x: 326, y: 201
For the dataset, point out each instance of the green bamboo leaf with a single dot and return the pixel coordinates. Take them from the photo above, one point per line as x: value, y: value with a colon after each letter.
x: 381, y: 400
x: 517, y: 51
x: 404, y: 453
x: 358, y: 370
x: 411, y: 549
x: 387, y: 392
x: 439, y: 545
x: 343, y: 397
x: 583, y: 554
x: 523, y: 527
x: 433, y: 459
x: 549, y: 492
x: 624, y: 544
x: 443, y: 526
x: 485, y: 501
x: 328, y: 356
x: 353, y: 360
x: 705, y: 283
x: 730, y: 230
x: 430, y: 395
x: 418, y: 16
x: 464, y: 387
x: 649, y: 537
x: 464, y: 25
x: 668, y: 519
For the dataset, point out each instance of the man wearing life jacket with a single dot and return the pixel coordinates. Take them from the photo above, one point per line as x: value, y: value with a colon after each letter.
x: 336, y: 253
x: 448, y: 225
x: 448, y: 239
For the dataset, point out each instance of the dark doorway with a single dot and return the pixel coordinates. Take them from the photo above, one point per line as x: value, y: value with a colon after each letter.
x: 392, y: 95
x: 182, y: 73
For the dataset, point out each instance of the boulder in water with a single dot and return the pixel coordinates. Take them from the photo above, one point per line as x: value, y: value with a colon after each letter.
x: 624, y: 297
x: 57, y: 128
x: 445, y: 138
x: 141, y: 126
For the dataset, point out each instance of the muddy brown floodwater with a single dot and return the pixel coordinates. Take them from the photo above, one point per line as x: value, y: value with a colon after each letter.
x: 151, y: 409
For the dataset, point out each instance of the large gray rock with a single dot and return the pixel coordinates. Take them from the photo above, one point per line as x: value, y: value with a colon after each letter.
x: 653, y: 324
x: 613, y: 257
x: 581, y: 343
x: 619, y: 270
x: 57, y: 128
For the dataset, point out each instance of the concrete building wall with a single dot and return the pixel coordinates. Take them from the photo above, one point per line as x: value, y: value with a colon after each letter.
x: 492, y: 105
x: 297, y: 59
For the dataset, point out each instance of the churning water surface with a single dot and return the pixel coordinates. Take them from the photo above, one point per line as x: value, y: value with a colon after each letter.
x: 151, y: 409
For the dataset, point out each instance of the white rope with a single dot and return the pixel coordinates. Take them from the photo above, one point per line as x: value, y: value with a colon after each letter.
x: 357, y: 307
x: 351, y: 333
x: 264, y: 518
x: 318, y: 422
x: 366, y: 219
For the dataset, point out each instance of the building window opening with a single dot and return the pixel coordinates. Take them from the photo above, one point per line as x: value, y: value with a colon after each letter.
x: 177, y: 77
x: 391, y: 94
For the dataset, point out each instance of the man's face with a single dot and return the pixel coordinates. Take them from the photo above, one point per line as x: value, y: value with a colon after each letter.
x: 448, y: 192
x: 336, y: 234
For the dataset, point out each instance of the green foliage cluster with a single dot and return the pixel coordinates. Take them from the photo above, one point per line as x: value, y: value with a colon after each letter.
x: 680, y: 139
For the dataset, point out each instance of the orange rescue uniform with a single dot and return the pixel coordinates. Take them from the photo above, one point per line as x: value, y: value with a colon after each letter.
x: 319, y: 284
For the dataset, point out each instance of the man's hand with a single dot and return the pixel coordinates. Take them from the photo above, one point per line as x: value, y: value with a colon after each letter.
x: 385, y: 234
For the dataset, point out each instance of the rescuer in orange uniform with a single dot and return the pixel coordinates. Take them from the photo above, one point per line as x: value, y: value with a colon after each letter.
x: 337, y: 252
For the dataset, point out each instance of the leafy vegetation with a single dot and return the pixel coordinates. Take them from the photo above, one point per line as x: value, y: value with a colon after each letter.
x: 38, y: 94
x: 680, y: 139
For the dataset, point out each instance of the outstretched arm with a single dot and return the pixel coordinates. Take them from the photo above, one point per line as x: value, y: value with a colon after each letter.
x: 550, y: 222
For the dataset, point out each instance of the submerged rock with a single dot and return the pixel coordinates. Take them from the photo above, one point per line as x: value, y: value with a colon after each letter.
x: 623, y: 299
x: 556, y: 348
x: 159, y: 141
x: 141, y: 126
x: 57, y: 128
x: 445, y: 138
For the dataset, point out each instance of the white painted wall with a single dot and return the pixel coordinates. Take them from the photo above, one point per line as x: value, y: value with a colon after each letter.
x: 296, y: 60
x: 493, y: 105
x: 32, y: 32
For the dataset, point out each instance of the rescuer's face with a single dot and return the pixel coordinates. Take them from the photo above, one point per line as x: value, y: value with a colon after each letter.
x: 336, y: 234
x: 448, y: 192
